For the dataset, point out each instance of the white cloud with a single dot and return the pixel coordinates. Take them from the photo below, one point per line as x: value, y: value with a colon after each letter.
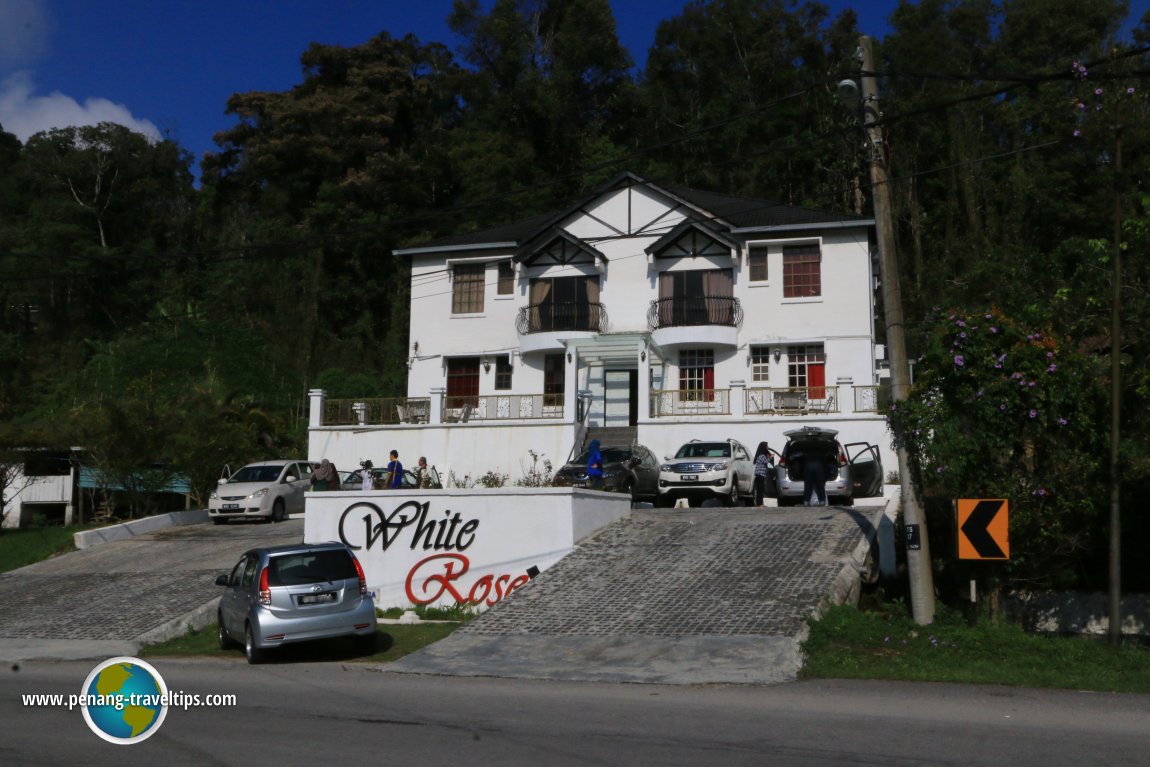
x: 24, y: 33
x: 24, y: 113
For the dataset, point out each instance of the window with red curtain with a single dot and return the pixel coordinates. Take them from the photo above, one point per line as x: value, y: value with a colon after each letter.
x: 807, y: 369
x: 802, y: 271
x: 697, y: 375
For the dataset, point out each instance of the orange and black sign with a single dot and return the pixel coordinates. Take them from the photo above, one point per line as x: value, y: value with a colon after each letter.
x: 983, y: 529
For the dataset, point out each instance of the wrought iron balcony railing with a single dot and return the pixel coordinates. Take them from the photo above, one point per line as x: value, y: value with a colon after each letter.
x: 561, y: 315
x: 694, y: 310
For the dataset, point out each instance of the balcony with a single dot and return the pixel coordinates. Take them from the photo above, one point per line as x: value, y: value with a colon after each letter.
x: 543, y: 327
x: 501, y: 407
x: 694, y: 321
x: 690, y: 402
x: 800, y: 400
x: 376, y: 410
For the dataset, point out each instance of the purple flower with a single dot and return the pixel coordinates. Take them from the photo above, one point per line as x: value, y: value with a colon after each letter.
x: 979, y: 395
x: 1033, y: 413
x: 1077, y: 134
x: 1130, y: 91
x: 1062, y: 421
x: 959, y: 361
x: 1002, y: 407
x: 1052, y: 368
x: 1097, y: 91
x: 1015, y: 375
x: 962, y: 334
x: 1079, y: 105
x: 987, y: 316
x: 961, y: 324
x: 1049, y: 355
x: 994, y: 330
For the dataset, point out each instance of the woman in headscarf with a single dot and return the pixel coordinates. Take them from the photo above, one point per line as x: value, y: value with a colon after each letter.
x: 594, y: 466
x: 764, y: 464
x: 325, y: 477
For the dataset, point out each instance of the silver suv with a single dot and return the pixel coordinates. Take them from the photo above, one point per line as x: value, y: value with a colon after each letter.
x: 854, y: 470
x: 707, y: 469
x: 284, y: 594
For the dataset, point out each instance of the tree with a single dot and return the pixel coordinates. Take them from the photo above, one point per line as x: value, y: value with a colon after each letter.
x: 1000, y: 409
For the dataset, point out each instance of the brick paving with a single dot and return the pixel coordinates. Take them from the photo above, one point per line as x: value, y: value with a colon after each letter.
x: 702, y: 572
x: 699, y: 596
x: 126, y: 589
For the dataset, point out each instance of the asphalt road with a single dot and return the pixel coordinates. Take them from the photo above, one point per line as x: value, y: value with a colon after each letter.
x: 309, y: 713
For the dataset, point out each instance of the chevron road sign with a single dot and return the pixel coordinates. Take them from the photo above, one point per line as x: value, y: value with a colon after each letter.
x: 983, y: 530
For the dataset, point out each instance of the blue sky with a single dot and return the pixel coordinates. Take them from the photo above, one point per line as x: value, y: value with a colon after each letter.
x: 167, y: 67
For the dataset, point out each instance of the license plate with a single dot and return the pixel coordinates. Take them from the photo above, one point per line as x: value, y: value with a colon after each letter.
x: 690, y: 477
x: 578, y: 484
x: 230, y: 506
x: 317, y: 599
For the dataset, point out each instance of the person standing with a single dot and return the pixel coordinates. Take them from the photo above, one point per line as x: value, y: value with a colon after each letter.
x: 422, y: 478
x: 764, y: 465
x: 594, y: 466
x: 365, y: 473
x: 325, y: 477
x: 814, y: 480
x: 394, y: 479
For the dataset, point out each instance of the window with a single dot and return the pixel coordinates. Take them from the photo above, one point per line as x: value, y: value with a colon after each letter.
x: 761, y: 363
x: 467, y: 288
x: 565, y: 303
x: 697, y: 297
x: 802, y: 271
x: 696, y: 375
x: 553, y: 380
x: 807, y: 369
x: 506, y: 278
x: 502, y: 373
x: 757, y: 260
x: 462, y: 382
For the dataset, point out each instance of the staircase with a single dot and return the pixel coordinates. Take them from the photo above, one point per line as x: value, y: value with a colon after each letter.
x: 612, y: 435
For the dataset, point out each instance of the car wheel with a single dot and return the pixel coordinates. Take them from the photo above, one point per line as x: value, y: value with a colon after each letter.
x: 733, y: 498
x: 222, y: 633
x: 254, y: 654
x: 278, y: 511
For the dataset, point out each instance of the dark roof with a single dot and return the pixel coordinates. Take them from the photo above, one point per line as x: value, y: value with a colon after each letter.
x: 735, y: 211
x: 742, y: 212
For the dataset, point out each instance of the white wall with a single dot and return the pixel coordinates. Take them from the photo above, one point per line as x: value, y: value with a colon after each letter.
x: 439, y: 547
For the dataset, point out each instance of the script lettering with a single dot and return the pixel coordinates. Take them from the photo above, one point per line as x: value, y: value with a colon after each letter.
x: 435, y: 576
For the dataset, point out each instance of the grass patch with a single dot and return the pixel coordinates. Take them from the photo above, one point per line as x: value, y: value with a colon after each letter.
x: 28, y: 545
x: 461, y: 613
x: 847, y: 643
x: 393, y: 641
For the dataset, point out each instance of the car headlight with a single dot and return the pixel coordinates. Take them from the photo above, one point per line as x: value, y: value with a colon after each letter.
x: 259, y: 493
x: 667, y: 467
x: 718, y: 467
x: 214, y: 496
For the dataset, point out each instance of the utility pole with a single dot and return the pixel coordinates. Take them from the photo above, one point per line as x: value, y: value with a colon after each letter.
x: 1115, y: 596
x: 917, y: 541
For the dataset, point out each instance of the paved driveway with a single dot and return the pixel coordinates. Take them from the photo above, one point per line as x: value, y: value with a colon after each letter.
x: 111, y: 598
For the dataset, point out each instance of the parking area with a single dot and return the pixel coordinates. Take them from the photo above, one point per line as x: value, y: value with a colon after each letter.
x: 113, y: 597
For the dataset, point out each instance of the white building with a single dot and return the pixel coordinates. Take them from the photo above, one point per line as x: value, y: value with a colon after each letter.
x: 665, y: 312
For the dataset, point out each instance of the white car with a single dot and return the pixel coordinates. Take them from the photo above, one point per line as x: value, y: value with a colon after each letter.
x: 700, y: 470
x: 266, y: 490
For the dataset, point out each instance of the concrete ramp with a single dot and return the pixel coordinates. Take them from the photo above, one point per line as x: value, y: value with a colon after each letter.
x: 693, y: 596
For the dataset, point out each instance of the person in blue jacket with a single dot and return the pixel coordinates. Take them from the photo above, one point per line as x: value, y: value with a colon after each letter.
x: 594, y: 466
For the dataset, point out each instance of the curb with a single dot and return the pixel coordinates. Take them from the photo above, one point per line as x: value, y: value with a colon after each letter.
x: 127, y: 530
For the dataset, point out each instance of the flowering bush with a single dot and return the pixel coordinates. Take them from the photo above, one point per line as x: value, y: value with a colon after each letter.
x: 1003, y: 411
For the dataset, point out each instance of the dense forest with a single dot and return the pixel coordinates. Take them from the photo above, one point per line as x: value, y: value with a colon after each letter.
x: 157, y: 320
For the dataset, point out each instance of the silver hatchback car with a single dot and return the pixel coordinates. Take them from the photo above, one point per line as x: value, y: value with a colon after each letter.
x: 284, y: 594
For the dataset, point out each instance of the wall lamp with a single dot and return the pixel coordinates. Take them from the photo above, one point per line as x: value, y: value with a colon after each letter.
x: 643, y: 356
x: 778, y: 355
x: 486, y: 366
